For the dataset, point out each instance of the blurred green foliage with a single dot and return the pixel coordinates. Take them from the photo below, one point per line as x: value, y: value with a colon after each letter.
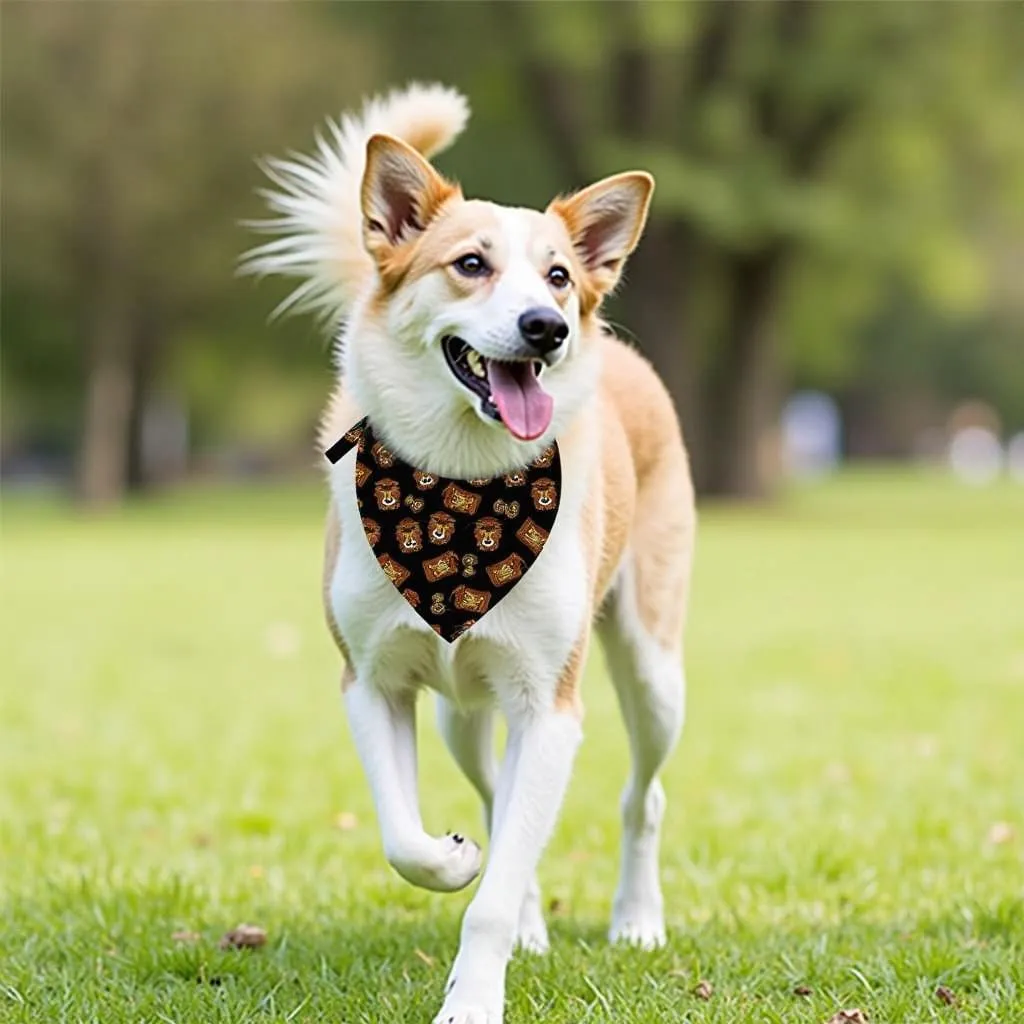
x: 840, y: 200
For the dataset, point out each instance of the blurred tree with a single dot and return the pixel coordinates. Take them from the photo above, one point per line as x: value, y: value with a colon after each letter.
x: 840, y: 198
x: 129, y: 136
x: 804, y: 153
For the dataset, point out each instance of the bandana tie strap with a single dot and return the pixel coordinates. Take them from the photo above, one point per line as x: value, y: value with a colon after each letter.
x: 352, y: 438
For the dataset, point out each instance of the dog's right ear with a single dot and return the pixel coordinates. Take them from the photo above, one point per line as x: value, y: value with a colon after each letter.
x: 401, y: 194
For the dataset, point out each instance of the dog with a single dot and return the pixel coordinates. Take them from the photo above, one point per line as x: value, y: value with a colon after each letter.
x: 473, y: 341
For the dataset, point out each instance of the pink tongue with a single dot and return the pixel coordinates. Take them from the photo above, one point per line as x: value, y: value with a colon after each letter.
x: 524, y: 406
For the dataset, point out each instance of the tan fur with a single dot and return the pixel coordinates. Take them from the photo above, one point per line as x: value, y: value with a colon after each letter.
x: 567, y: 693
x: 332, y: 545
x: 664, y: 521
x: 600, y: 251
x: 348, y: 677
x: 641, y: 498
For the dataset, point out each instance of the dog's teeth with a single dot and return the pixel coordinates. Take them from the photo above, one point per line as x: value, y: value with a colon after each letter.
x: 475, y: 363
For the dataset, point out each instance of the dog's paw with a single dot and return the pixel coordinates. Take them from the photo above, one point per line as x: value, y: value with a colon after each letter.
x: 474, y: 992
x: 636, y: 925
x: 461, y: 859
x: 466, y: 1015
x: 443, y: 865
x: 532, y: 932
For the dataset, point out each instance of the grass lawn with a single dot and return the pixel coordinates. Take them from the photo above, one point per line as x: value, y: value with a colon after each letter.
x: 846, y: 808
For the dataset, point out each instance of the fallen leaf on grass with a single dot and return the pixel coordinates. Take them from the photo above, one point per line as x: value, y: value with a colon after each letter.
x: 1001, y: 832
x: 283, y: 640
x: 848, y: 1017
x: 837, y: 773
x: 945, y: 995
x: 185, y: 936
x: 803, y: 990
x: 704, y: 990
x: 346, y: 821
x: 426, y: 958
x: 557, y: 907
x: 245, y: 936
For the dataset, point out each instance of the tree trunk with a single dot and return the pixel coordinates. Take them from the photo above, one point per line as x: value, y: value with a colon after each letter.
x: 145, y: 359
x: 103, y: 451
x: 739, y: 457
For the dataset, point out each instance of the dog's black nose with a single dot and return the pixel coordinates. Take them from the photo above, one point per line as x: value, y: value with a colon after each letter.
x: 543, y: 329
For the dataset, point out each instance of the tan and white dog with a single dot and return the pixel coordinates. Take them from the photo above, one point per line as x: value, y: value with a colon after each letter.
x: 472, y: 339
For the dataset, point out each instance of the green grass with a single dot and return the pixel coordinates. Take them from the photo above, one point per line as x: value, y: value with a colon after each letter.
x: 174, y: 756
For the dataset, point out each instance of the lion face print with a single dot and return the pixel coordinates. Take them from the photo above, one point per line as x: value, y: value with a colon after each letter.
x: 487, y: 533
x: 515, y: 479
x: 440, y: 528
x: 409, y: 535
x: 387, y: 494
x: 372, y: 530
x: 545, y: 458
x: 382, y: 455
x: 544, y: 494
x: 424, y: 481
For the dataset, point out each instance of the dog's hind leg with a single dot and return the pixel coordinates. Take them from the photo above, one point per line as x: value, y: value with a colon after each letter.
x: 648, y: 676
x: 469, y: 737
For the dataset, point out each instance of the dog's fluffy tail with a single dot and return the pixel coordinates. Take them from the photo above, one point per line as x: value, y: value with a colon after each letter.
x: 316, y: 197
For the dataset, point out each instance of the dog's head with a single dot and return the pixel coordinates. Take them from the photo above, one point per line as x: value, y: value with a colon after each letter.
x: 484, y: 319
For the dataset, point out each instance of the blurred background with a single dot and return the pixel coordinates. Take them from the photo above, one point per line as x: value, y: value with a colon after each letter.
x: 832, y: 269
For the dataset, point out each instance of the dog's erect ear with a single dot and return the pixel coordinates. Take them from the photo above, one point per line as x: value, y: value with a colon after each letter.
x: 605, y: 221
x: 401, y: 193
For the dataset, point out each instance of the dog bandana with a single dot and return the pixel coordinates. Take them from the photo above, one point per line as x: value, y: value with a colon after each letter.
x: 452, y: 548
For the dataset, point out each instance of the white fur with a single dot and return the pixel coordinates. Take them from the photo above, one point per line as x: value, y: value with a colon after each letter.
x: 532, y: 782
x: 649, y: 682
x: 514, y: 656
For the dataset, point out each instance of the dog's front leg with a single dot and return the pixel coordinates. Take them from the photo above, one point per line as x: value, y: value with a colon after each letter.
x: 532, y: 782
x: 384, y: 730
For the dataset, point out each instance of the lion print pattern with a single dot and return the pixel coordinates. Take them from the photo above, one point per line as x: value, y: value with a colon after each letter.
x: 382, y: 456
x: 544, y: 493
x: 440, y: 528
x: 409, y: 535
x: 458, y: 499
x: 395, y: 571
x: 458, y: 546
x: 372, y: 530
x: 487, y: 533
x: 387, y: 494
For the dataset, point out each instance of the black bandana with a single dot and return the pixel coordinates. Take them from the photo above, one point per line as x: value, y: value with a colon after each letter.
x: 453, y: 548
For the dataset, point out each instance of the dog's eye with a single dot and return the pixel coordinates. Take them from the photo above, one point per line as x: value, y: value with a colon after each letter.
x: 558, y: 277
x: 471, y: 265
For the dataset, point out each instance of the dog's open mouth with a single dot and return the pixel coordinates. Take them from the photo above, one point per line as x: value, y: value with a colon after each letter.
x: 509, y: 392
